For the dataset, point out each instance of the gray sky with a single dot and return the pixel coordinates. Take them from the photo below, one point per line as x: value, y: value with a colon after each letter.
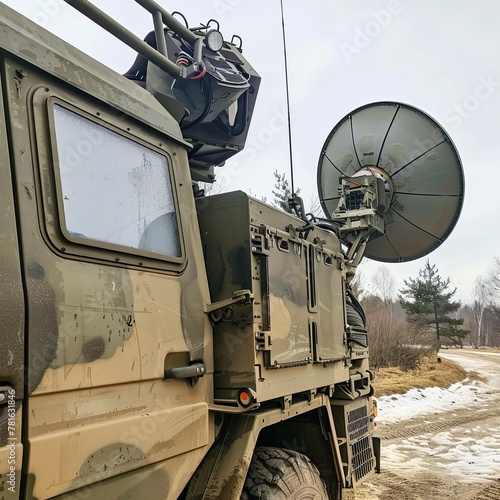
x: 441, y: 57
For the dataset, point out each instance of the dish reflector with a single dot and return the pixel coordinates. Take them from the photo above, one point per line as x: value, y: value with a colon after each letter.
x: 421, y: 163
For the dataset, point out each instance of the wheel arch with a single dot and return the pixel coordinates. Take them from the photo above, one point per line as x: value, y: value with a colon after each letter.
x: 309, y: 433
x: 306, y: 427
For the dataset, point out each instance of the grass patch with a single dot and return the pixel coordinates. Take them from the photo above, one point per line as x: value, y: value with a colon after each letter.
x: 393, y: 380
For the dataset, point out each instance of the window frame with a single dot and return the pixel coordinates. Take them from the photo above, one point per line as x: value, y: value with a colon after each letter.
x: 54, y: 220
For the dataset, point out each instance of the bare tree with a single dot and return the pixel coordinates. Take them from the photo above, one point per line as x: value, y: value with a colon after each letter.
x: 393, y: 342
x: 357, y: 283
x: 384, y: 283
x: 482, y: 301
x: 315, y: 207
x: 494, y: 279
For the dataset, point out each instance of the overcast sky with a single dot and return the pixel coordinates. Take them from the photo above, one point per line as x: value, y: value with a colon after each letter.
x: 441, y: 57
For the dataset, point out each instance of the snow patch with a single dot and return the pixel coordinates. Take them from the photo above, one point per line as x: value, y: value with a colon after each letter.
x: 470, y: 456
x: 437, y: 400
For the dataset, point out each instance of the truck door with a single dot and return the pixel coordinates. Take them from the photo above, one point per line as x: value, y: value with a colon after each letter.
x: 116, y: 339
x: 12, y: 328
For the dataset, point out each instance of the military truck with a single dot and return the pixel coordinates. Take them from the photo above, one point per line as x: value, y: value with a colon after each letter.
x: 160, y: 343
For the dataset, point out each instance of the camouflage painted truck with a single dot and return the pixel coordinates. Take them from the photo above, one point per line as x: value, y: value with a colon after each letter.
x: 159, y: 343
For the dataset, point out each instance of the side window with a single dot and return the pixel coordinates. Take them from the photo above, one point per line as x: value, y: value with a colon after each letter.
x: 114, y: 190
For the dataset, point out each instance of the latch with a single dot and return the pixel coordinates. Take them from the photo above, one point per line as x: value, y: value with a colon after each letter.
x: 286, y: 402
x: 261, y: 241
x: 216, y: 309
x: 6, y: 392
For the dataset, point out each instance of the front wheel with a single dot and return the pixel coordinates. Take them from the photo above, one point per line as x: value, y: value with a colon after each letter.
x: 280, y: 474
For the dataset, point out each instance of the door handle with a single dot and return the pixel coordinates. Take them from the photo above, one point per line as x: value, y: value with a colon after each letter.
x: 194, y: 370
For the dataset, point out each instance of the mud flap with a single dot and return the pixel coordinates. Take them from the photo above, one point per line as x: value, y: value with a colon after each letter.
x: 376, y: 452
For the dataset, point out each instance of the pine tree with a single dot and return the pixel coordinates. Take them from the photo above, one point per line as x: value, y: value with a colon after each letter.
x: 282, y: 192
x: 428, y: 305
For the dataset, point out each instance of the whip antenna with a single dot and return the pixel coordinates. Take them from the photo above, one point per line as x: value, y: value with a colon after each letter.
x: 287, y: 100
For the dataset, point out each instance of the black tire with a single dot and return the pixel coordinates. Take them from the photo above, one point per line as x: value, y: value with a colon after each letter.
x: 279, y: 474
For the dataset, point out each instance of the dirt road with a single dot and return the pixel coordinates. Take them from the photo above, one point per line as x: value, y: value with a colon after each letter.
x: 444, y: 454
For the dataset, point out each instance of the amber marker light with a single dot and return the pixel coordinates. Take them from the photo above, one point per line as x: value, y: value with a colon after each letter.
x: 245, y: 397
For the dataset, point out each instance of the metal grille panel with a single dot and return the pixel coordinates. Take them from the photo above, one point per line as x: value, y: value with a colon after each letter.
x: 359, y: 441
x: 362, y: 458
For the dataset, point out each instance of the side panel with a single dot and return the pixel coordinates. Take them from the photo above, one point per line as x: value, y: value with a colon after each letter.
x: 291, y: 339
x: 12, y: 331
x: 103, y: 328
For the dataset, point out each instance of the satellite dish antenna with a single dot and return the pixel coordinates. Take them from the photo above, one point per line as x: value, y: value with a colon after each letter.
x: 398, y: 162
